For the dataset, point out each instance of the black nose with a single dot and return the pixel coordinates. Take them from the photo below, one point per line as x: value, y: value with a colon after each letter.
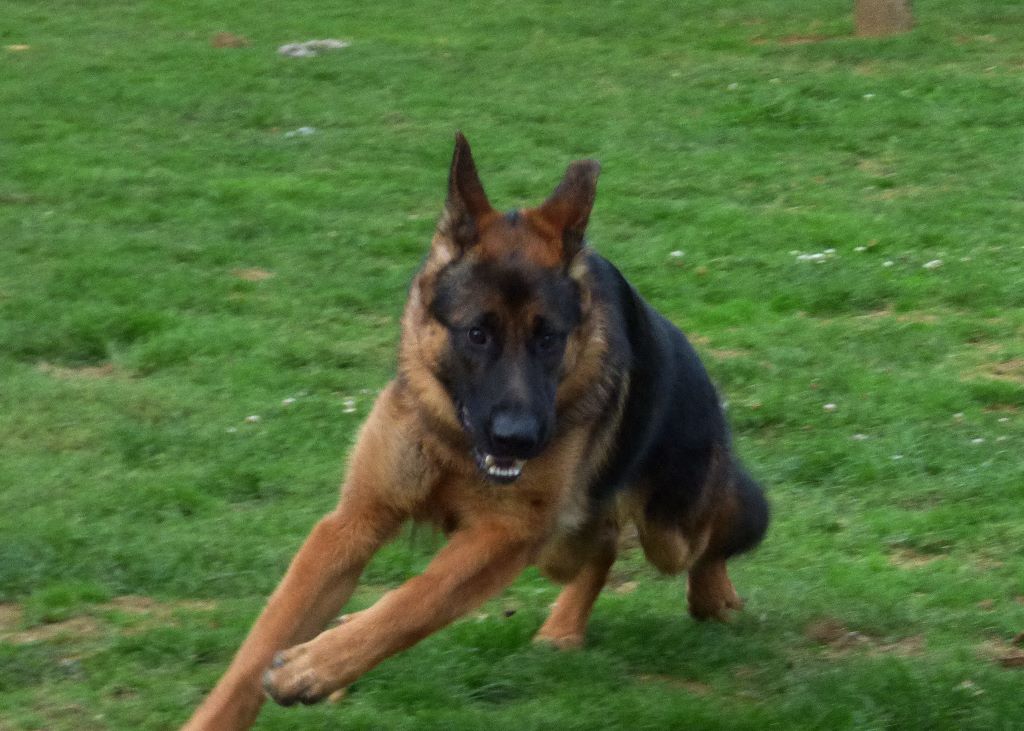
x: 515, y: 434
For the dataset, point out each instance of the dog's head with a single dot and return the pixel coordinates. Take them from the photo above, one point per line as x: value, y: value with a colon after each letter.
x: 507, y: 290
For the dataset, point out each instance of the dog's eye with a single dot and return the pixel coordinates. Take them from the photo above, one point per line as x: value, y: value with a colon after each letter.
x: 547, y: 342
x: 477, y: 336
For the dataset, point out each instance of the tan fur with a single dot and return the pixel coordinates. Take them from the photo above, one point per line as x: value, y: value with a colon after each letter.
x: 413, y: 461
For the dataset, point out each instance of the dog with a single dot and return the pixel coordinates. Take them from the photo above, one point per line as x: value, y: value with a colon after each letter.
x: 540, y: 406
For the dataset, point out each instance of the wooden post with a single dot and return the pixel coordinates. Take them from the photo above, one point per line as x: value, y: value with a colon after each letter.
x: 883, y: 17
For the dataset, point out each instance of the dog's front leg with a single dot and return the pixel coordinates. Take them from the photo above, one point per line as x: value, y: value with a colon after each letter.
x: 476, y: 563
x: 319, y: 581
x: 323, y: 574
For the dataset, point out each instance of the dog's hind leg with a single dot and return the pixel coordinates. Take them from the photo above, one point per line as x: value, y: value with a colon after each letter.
x: 738, y: 525
x: 566, y: 625
x: 709, y: 591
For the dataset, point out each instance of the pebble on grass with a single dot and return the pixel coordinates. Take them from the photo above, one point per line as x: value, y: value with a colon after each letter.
x: 311, y: 48
x: 818, y: 257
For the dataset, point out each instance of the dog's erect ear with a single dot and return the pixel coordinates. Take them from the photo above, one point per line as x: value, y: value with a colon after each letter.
x: 568, y: 208
x: 467, y: 202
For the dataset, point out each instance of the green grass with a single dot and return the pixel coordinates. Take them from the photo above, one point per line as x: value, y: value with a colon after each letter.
x: 142, y: 170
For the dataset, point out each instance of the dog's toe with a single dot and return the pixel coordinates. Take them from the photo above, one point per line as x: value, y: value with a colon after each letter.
x: 291, y: 679
x: 570, y: 641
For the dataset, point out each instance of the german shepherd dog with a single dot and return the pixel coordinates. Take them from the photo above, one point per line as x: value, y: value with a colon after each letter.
x: 540, y: 406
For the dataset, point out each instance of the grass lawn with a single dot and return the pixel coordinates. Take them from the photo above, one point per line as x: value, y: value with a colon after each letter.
x: 198, y: 302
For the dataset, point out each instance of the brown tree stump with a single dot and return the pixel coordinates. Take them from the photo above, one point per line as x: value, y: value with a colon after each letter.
x: 883, y: 17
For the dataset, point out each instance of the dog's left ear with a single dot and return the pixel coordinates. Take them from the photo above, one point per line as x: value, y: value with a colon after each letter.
x: 568, y: 208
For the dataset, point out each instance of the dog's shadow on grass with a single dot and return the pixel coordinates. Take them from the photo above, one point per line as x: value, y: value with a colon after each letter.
x: 674, y: 644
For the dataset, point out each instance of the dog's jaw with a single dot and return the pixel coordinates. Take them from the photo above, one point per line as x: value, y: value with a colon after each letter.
x: 503, y: 470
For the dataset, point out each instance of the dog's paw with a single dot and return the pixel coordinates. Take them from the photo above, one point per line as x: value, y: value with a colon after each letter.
x: 293, y: 678
x: 560, y: 641
x: 717, y: 607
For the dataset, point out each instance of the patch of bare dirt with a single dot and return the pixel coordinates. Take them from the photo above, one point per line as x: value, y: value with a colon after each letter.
x: 1007, y: 654
x: 797, y: 39
x: 1011, y: 371
x: 151, y: 613
x: 229, y: 40
x: 76, y: 627
x: 10, y: 617
x: 132, y: 604
x: 252, y: 274
x: 874, y: 168
x: 911, y: 316
x: 694, y: 687
x: 908, y: 558
x: 106, y: 370
x: 986, y: 38
x: 1001, y: 409
x: 840, y: 640
x: 727, y: 353
x: 903, y: 191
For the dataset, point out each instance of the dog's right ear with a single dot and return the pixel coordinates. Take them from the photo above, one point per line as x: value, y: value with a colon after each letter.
x: 467, y: 202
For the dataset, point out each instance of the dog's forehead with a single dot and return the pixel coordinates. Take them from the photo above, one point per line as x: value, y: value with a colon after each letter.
x: 522, y: 236
x: 510, y: 288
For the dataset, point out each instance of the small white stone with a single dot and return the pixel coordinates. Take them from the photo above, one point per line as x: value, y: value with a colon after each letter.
x: 328, y: 44
x: 869, y: 97
x: 978, y: 440
x: 933, y: 264
x: 830, y: 407
x: 252, y: 419
x: 677, y: 254
x: 897, y: 457
x: 859, y: 437
x: 888, y: 263
x: 733, y: 86
x: 288, y: 401
x: 860, y: 249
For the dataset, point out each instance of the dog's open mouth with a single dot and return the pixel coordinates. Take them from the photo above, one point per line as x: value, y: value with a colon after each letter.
x: 500, y: 469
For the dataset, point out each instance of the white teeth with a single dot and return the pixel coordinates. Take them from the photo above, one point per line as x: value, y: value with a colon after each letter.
x: 492, y: 468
